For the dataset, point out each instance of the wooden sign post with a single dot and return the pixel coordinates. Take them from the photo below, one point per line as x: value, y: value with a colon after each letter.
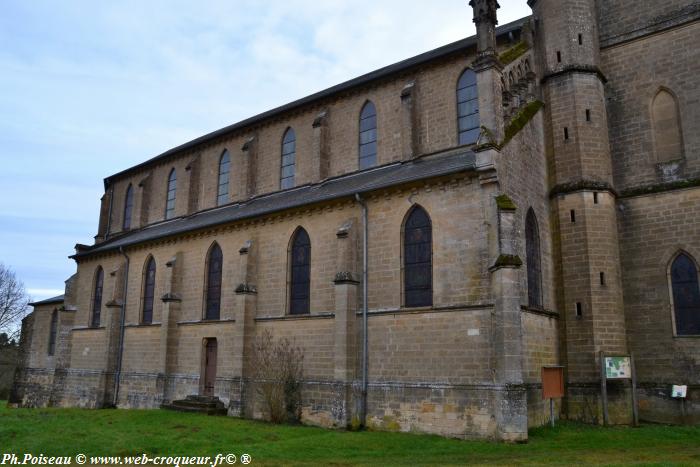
x: 617, y: 367
x: 552, y: 386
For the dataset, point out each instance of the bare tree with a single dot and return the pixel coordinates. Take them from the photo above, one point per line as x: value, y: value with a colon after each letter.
x: 277, y: 374
x: 13, y: 302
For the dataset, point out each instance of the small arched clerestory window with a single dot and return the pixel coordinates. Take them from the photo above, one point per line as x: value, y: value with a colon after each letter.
x: 128, y: 207
x: 149, y: 285
x: 534, y: 260
x: 53, y: 331
x: 224, y: 171
x: 467, y: 108
x: 97, y: 297
x: 170, y: 196
x: 300, y: 273
x: 368, y: 136
x: 668, y: 138
x: 417, y: 258
x: 288, y: 167
x: 215, y: 261
x: 686, y: 295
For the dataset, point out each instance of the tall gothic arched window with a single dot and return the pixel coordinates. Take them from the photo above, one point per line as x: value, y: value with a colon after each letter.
x: 467, y: 108
x: 215, y: 262
x: 289, y: 148
x: 686, y: 295
x: 368, y: 136
x: 53, y: 330
x: 128, y: 207
x: 300, y: 273
x: 534, y: 260
x: 170, y: 197
x: 149, y: 286
x: 418, y: 258
x: 97, y: 297
x: 224, y: 169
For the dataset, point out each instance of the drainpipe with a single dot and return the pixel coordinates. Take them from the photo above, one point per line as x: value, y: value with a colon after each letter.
x: 109, y: 214
x: 363, y: 409
x: 122, y: 318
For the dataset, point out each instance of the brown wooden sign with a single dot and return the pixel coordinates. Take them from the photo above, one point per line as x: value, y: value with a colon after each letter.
x: 552, y: 382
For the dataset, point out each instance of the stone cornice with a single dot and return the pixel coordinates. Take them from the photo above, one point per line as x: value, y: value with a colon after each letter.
x: 575, y: 68
x: 581, y: 185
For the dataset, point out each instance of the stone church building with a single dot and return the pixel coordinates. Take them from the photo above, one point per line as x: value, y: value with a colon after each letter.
x: 431, y: 234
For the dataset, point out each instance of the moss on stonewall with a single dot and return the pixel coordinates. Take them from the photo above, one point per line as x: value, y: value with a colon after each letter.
x: 504, y: 203
x: 514, y: 52
x: 520, y: 120
x: 661, y: 187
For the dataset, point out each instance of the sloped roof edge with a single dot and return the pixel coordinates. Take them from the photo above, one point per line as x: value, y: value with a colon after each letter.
x: 47, y: 301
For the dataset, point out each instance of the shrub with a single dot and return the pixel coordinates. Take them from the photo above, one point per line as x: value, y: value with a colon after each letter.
x: 277, y: 369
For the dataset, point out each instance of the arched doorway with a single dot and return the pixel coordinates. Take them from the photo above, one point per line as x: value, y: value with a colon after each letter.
x: 209, y: 367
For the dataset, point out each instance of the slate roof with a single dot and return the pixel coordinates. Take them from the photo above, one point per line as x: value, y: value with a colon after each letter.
x: 344, y: 186
x: 386, y: 71
x: 56, y: 299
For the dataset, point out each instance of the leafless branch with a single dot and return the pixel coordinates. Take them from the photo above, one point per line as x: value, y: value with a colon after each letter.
x: 13, y: 301
x: 277, y: 372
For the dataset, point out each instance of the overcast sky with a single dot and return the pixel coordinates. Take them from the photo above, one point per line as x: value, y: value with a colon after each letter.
x: 88, y: 89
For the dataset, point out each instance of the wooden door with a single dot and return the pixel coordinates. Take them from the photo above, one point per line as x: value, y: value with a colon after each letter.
x: 209, y: 367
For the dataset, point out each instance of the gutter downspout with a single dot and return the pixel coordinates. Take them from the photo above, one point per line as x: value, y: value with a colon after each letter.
x: 120, y: 350
x: 109, y: 214
x: 365, y: 355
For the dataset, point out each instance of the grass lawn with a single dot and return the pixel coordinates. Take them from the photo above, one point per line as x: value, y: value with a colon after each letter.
x: 68, y: 432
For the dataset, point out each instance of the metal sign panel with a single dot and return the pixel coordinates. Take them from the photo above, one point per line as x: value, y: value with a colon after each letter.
x: 679, y: 391
x: 618, y: 367
x: 552, y: 382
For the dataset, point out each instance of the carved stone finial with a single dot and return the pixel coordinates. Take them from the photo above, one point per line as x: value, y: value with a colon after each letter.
x: 486, y: 20
x: 485, y: 11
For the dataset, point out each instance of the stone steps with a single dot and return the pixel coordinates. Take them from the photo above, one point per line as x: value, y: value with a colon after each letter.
x: 197, y: 404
